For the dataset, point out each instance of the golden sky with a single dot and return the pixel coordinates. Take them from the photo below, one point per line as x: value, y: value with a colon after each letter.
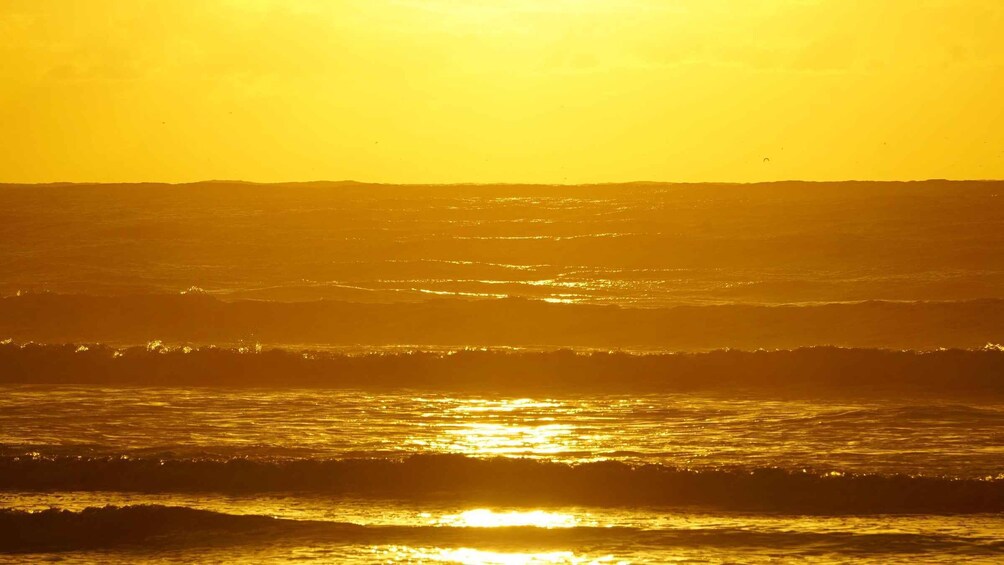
x: 564, y: 91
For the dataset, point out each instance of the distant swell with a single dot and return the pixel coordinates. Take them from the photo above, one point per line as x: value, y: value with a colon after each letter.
x: 515, y: 481
x: 819, y: 369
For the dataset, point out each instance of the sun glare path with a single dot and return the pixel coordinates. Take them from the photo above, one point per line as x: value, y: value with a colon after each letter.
x: 522, y: 427
x: 485, y: 518
x: 490, y: 439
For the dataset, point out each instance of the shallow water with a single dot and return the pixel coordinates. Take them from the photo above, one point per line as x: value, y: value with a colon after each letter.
x: 223, y: 429
x: 921, y: 437
x: 360, y: 531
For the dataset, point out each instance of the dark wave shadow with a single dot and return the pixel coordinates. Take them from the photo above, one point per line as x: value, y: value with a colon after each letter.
x: 153, y: 526
x: 516, y: 481
x: 817, y: 370
x: 202, y: 319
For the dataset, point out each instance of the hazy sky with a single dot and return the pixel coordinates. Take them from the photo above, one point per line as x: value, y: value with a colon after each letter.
x: 500, y: 90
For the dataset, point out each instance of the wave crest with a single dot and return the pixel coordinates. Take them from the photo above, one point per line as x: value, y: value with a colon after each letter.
x: 519, y: 481
x: 156, y: 526
x: 817, y: 369
x: 202, y: 319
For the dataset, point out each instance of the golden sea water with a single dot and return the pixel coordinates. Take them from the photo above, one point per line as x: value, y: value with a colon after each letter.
x: 700, y: 432
x: 696, y: 430
x: 811, y: 456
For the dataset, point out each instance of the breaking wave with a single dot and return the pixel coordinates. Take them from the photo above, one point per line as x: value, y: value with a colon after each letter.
x: 153, y: 526
x: 815, y: 369
x: 198, y: 319
x: 516, y: 481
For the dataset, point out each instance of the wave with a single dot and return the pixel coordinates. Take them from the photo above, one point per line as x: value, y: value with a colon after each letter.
x: 198, y: 318
x: 152, y: 526
x: 515, y: 481
x: 627, y: 244
x: 808, y: 370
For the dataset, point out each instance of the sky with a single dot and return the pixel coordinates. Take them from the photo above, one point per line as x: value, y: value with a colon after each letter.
x: 451, y: 91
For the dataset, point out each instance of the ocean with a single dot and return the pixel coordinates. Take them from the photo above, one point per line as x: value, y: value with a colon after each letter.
x: 357, y: 476
x: 225, y: 372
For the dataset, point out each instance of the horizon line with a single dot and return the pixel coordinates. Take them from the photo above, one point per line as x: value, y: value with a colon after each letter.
x: 486, y: 184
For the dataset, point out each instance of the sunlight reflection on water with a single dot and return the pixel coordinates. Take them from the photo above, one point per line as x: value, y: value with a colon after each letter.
x: 682, y: 430
x: 486, y: 518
